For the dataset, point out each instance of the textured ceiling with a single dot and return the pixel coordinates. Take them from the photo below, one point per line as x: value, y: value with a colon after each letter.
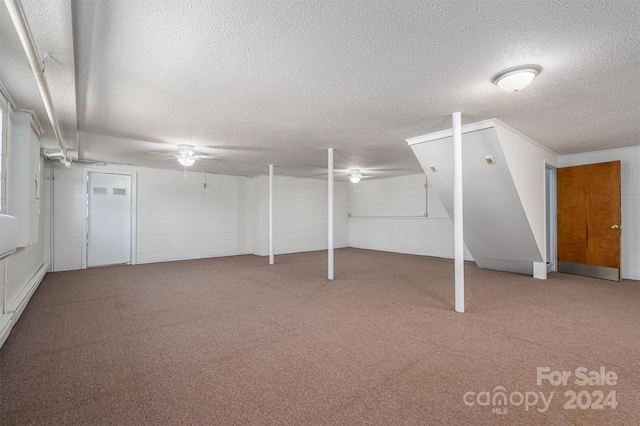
x: 53, y: 23
x: 259, y: 82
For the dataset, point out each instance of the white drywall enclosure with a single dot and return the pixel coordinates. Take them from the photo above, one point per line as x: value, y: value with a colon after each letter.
x: 504, y: 192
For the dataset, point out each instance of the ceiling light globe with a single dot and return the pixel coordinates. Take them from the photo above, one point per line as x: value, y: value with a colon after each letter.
x: 186, y: 162
x: 515, y: 82
x: 355, y: 176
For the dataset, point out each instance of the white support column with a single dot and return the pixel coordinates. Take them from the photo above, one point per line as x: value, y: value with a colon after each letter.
x: 330, y: 214
x: 458, y: 239
x: 271, y: 254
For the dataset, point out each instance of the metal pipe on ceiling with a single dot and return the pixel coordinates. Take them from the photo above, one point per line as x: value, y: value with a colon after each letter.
x: 26, y: 38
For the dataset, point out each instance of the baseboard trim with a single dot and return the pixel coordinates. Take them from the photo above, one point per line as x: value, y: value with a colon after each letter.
x: 6, y: 324
x: 593, y: 271
x: 17, y: 306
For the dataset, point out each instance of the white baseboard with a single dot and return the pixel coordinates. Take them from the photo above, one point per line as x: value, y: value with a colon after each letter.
x: 16, y: 306
x: 6, y: 324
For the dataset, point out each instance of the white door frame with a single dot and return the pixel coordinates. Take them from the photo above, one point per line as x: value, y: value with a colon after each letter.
x: 553, y: 215
x: 85, y: 207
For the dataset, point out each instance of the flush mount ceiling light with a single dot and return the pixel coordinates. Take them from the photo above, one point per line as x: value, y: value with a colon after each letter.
x: 355, y: 176
x: 516, y: 78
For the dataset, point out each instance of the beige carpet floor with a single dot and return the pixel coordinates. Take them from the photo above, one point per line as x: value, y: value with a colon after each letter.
x: 231, y: 341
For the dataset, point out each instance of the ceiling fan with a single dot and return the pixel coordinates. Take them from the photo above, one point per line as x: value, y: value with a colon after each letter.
x: 186, y: 156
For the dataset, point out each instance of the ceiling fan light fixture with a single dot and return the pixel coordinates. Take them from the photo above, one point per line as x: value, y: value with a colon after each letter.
x: 355, y: 176
x: 516, y: 78
x: 186, y: 150
x: 186, y: 161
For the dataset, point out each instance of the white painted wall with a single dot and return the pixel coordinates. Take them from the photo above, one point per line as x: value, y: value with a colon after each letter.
x: 47, y: 206
x: 66, y: 217
x: 527, y: 163
x: 434, y: 236
x: 18, y: 271
x: 23, y: 264
x: 300, y: 215
x: 24, y: 201
x: 5, y: 108
x: 630, y: 176
x: 380, y: 199
x: 259, y: 215
x: 180, y: 219
x: 177, y: 218
x: 5, y: 155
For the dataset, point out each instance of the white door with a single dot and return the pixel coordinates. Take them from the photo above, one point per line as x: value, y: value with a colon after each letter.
x: 109, y: 219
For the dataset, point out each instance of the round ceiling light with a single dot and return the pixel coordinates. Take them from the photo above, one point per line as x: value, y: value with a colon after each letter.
x: 186, y: 161
x: 516, y: 78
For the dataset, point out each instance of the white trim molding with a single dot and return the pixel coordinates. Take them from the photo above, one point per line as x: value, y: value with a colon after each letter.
x: 17, y: 306
x: 473, y: 127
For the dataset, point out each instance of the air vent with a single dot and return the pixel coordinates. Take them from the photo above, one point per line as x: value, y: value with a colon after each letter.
x: 119, y: 191
x: 99, y: 190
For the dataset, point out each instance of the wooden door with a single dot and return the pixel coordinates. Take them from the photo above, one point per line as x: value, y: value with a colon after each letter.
x: 589, y: 220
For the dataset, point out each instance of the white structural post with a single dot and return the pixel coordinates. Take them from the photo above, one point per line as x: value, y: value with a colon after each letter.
x: 330, y: 214
x: 458, y: 236
x: 271, y: 254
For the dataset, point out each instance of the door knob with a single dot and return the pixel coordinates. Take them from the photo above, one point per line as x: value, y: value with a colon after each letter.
x: 614, y: 227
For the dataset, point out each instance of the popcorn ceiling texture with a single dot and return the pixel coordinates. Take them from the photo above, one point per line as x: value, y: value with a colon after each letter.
x: 254, y: 83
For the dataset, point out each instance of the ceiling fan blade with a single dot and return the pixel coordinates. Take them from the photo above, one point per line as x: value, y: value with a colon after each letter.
x: 162, y: 153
